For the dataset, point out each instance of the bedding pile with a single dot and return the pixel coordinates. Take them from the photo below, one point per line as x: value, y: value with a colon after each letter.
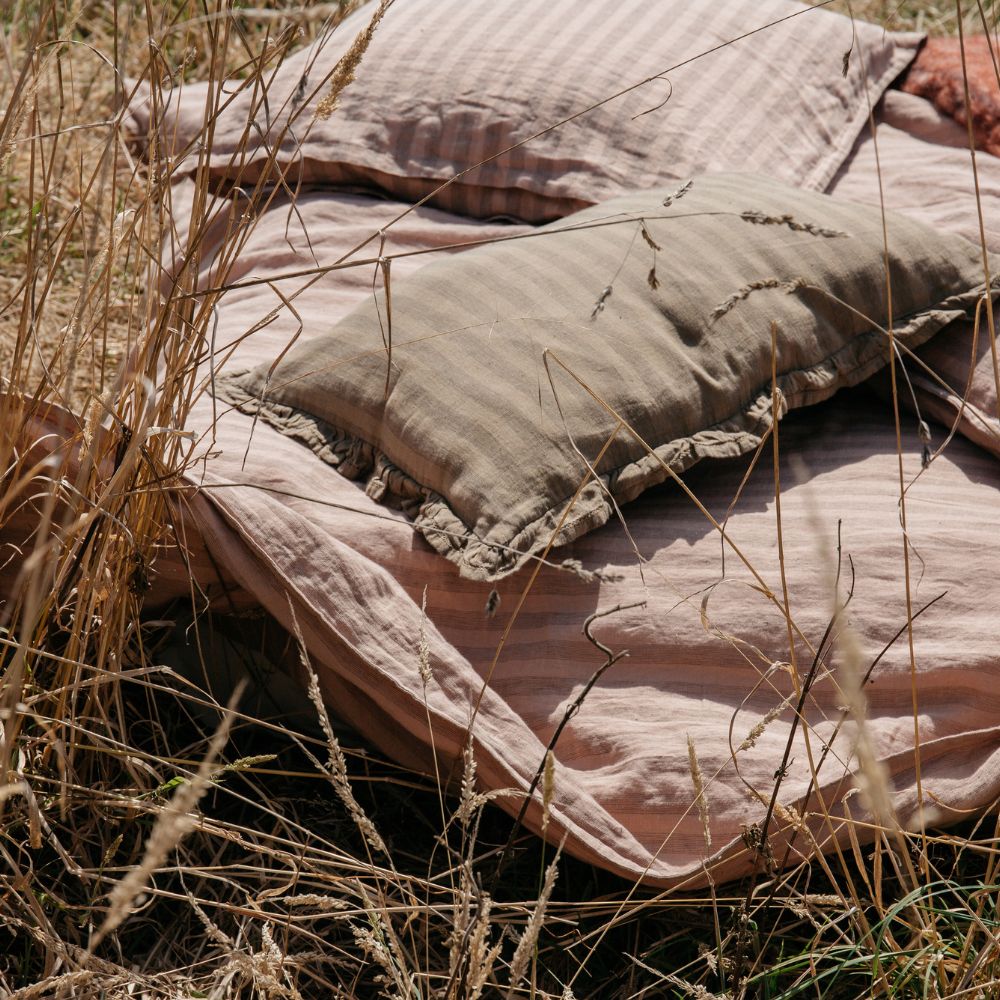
x: 449, y: 94
x: 722, y: 626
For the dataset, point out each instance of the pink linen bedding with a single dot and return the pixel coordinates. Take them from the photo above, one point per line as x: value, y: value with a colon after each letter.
x: 446, y: 86
x: 927, y: 173
x: 926, y: 170
x: 709, y: 650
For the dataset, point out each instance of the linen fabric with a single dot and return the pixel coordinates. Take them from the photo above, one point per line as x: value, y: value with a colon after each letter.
x: 308, y: 542
x: 924, y: 168
x: 510, y: 372
x: 448, y: 84
x: 926, y: 171
x: 349, y: 575
x: 959, y: 385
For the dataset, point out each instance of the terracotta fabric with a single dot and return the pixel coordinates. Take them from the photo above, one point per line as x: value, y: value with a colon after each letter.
x: 444, y: 398
x: 39, y: 435
x: 937, y: 74
x: 447, y: 84
x: 706, y: 651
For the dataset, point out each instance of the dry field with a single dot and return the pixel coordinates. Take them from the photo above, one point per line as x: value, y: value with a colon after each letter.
x: 156, y: 844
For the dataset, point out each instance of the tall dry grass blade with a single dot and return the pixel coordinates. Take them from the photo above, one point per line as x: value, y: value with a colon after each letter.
x: 701, y: 799
x: 528, y: 941
x: 336, y: 770
x: 173, y: 824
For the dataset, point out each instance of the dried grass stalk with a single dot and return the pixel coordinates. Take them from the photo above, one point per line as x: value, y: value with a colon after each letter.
x: 763, y: 219
x: 747, y: 290
x: 758, y: 730
x: 699, y: 793
x: 423, y: 649
x: 872, y: 776
x: 176, y: 820
x: 343, y: 73
x: 678, y: 194
x: 336, y: 770
x: 548, y: 789
x: 529, y: 939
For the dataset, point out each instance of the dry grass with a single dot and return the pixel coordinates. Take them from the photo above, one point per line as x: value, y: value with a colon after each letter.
x: 936, y: 18
x: 154, y: 843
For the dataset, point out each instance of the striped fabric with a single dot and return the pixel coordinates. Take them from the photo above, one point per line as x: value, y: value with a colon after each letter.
x: 921, y: 150
x: 447, y: 84
x: 962, y: 387
x: 926, y: 170
x: 470, y: 425
x: 306, y: 542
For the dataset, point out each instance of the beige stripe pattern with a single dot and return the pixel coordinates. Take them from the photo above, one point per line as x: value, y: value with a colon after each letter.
x: 927, y: 172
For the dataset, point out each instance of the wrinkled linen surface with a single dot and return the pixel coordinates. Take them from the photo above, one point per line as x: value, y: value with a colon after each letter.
x: 710, y: 642
x: 932, y: 180
x: 447, y: 85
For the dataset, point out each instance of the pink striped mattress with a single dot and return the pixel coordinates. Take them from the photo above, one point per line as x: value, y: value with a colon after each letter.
x: 702, y: 616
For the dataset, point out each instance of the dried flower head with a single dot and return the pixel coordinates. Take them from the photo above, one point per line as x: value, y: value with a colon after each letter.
x: 423, y: 649
x: 343, y: 73
x: 763, y: 219
x: 699, y: 793
x: 650, y: 242
x: 678, y: 194
x: 755, y: 286
x: 601, y: 299
x: 758, y: 730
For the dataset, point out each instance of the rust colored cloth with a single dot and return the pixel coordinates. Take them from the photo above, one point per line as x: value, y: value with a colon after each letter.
x: 937, y: 75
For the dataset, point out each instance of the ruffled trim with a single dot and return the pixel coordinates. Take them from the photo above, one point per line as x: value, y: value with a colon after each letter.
x: 491, y: 559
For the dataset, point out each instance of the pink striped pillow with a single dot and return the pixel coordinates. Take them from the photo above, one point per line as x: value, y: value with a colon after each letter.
x: 446, y: 84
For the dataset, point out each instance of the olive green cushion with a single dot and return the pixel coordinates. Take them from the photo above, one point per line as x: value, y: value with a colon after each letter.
x: 478, y: 432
